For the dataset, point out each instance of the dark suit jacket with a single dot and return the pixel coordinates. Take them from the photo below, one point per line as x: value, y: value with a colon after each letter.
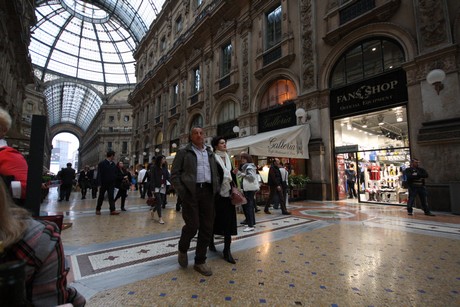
x: 106, y: 173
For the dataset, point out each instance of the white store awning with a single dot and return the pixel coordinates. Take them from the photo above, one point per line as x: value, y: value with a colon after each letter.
x: 291, y: 142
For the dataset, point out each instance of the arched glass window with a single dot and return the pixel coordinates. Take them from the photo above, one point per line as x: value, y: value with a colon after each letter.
x: 230, y: 111
x: 197, y: 121
x: 278, y: 93
x: 365, y: 60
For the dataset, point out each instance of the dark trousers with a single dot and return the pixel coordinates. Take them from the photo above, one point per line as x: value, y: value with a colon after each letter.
x: 198, y: 215
x: 351, y: 189
x: 248, y: 209
x: 122, y: 193
x: 94, y: 191
x: 421, y: 192
x: 274, y: 191
x: 110, y: 190
x: 64, y: 191
x: 158, y: 203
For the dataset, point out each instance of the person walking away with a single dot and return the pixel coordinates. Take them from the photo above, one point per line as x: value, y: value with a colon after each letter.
x: 350, y: 173
x: 67, y: 179
x: 250, y: 185
x: 93, y: 176
x: 84, y: 181
x: 416, y: 181
x: 38, y: 244
x: 106, y: 175
x: 157, y: 186
x: 13, y: 165
x: 225, y: 213
x: 167, y: 177
x: 122, y: 183
x: 142, y: 180
x: 194, y: 176
x: 276, y: 188
x: 284, y: 181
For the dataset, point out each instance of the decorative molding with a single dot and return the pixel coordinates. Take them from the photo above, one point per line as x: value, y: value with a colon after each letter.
x: 245, y: 75
x: 308, y: 69
x: 433, y: 24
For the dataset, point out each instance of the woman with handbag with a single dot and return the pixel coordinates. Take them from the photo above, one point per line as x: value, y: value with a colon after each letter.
x: 122, y: 183
x: 250, y: 185
x: 158, y: 185
x: 225, y: 218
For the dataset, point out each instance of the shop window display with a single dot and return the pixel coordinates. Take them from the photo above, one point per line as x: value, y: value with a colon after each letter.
x: 376, y: 147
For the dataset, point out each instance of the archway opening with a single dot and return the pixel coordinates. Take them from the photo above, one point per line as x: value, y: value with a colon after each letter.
x: 65, y: 150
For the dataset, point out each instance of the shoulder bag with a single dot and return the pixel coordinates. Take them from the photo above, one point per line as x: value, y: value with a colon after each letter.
x: 237, y: 196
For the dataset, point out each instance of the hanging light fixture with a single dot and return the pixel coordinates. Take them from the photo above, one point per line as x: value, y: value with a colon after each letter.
x: 380, y: 119
x: 399, y: 116
x: 364, y: 122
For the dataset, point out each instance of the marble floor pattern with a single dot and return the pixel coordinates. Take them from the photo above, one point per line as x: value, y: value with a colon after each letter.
x: 325, y: 254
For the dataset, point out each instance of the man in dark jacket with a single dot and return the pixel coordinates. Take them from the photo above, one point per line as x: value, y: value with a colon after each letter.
x: 416, y: 181
x: 84, y: 181
x: 275, y: 183
x: 67, y: 177
x: 194, y: 176
x: 106, y: 175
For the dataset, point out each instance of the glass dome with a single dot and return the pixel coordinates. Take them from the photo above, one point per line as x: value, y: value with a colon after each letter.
x: 88, y: 42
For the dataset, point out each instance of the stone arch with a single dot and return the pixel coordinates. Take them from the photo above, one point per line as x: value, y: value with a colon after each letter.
x: 386, y: 30
x: 67, y: 127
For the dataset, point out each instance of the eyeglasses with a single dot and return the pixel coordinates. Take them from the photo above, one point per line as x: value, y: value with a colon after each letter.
x: 222, y: 142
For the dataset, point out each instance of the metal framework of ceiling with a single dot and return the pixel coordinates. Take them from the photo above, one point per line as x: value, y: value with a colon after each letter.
x: 82, y: 50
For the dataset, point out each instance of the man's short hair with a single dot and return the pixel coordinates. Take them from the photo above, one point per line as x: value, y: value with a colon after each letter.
x: 69, y: 164
x: 110, y: 153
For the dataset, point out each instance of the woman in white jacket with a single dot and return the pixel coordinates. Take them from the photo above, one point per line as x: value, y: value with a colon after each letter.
x: 250, y: 185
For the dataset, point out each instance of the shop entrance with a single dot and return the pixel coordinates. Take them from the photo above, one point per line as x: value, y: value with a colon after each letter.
x: 371, y: 154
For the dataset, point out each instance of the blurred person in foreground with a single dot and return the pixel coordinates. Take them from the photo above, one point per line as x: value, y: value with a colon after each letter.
x: 13, y: 165
x: 37, y: 243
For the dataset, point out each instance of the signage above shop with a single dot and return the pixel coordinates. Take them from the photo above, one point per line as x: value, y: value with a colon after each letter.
x: 289, y: 142
x: 373, y: 94
x: 281, y: 117
x: 346, y: 149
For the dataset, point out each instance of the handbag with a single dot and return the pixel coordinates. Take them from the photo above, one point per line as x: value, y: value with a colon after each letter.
x: 151, y: 201
x: 125, y: 184
x: 237, y: 197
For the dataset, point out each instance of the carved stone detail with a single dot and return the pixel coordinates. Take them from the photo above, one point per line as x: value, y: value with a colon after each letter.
x: 433, y: 27
x: 308, y: 71
x: 245, y: 74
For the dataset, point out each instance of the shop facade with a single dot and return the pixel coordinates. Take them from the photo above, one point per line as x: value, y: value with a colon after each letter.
x: 368, y: 107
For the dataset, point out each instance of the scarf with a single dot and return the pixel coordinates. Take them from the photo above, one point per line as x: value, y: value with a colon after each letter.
x: 224, y: 161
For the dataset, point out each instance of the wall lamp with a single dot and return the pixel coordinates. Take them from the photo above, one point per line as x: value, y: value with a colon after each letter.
x: 237, y: 130
x: 302, y: 116
x: 435, y: 78
x: 174, y: 145
x: 144, y: 153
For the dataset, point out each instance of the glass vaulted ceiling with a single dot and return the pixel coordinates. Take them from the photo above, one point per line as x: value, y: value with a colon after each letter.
x: 82, y: 50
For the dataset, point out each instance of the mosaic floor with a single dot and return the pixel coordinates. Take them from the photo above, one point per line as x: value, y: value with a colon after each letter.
x: 325, y: 254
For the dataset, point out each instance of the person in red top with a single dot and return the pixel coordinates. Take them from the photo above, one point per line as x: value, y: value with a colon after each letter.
x: 13, y: 166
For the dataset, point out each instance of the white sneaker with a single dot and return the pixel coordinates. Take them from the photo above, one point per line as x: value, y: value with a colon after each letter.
x: 247, y: 229
x: 161, y: 221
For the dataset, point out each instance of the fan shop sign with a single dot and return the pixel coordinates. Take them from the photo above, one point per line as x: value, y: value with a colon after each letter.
x: 373, y: 94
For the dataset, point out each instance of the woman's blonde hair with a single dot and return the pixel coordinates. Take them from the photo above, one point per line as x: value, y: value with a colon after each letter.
x: 13, y: 219
x: 5, y: 119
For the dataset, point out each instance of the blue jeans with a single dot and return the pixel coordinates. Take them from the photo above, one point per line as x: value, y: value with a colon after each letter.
x: 421, y: 192
x: 249, y: 208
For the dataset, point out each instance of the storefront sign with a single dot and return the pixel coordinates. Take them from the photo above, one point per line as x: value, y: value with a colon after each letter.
x: 346, y: 149
x: 373, y: 94
x: 278, y: 118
